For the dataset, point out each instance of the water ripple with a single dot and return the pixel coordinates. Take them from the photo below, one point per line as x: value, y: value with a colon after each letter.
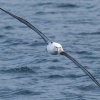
x: 55, y: 76
x: 64, y: 5
x: 18, y: 70
x: 84, y: 52
x: 2, y: 36
x: 56, y: 68
x: 42, y: 4
x: 26, y: 92
x: 92, y: 33
x: 8, y: 27
x: 86, y: 88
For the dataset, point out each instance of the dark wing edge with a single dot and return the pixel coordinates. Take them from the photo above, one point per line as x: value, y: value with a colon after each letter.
x: 82, y: 67
x: 47, y: 40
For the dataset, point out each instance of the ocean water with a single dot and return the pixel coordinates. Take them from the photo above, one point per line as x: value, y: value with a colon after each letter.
x: 28, y: 71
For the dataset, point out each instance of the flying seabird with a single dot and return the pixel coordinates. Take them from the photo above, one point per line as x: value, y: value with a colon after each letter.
x: 53, y: 48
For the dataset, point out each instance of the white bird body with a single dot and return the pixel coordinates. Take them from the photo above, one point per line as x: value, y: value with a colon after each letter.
x: 53, y: 47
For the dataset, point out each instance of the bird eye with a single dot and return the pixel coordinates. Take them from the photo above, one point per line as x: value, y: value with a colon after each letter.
x: 56, y: 48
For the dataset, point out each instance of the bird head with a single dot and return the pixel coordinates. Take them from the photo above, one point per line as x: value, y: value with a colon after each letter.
x: 54, y: 48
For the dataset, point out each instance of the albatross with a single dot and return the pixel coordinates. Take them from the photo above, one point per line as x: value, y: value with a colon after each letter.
x: 53, y: 48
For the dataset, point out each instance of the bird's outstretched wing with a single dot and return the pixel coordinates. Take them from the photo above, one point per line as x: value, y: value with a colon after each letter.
x: 82, y: 67
x: 47, y: 40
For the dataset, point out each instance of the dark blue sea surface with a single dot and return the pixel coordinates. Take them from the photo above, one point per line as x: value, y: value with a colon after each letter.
x: 28, y: 71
